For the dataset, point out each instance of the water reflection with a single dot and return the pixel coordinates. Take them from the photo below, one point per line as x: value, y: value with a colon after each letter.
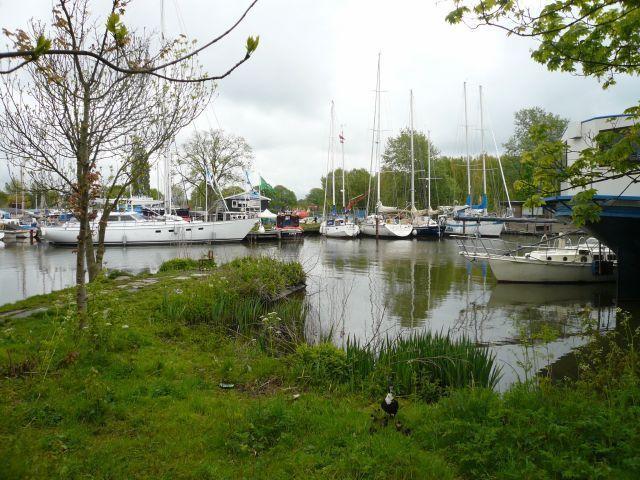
x: 367, y: 289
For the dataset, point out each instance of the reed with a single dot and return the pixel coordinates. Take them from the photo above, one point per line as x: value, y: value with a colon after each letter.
x: 423, y: 364
x: 236, y: 297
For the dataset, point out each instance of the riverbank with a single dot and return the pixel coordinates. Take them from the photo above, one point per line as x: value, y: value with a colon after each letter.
x: 204, y: 373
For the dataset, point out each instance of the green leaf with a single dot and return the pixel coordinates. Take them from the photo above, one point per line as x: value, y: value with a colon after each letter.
x: 456, y: 15
x: 42, y: 46
x: 252, y: 44
x: 112, y: 22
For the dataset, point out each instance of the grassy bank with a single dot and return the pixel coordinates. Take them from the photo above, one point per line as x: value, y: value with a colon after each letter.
x: 138, y: 394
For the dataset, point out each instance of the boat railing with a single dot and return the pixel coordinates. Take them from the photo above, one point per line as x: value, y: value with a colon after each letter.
x: 482, y: 247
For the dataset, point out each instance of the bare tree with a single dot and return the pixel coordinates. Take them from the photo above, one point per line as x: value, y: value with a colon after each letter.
x: 223, y: 156
x: 67, y: 117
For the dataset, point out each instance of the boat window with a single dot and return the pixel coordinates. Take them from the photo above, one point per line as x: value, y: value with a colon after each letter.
x: 200, y: 228
x: 564, y: 259
x: 188, y: 229
x: 548, y: 258
x: 583, y: 259
x: 171, y: 230
x: 113, y: 218
x: 158, y: 231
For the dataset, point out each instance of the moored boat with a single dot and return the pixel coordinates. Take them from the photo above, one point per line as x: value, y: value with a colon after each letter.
x: 288, y: 225
x: 586, y: 262
x: 379, y: 226
x: 340, y: 227
x: 130, y: 228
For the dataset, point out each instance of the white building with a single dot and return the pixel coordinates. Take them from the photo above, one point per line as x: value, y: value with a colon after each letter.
x: 581, y: 135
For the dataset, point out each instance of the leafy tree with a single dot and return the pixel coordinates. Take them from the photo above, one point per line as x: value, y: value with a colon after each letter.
x: 315, y: 197
x: 595, y: 38
x: 140, y: 169
x: 396, y: 163
x: 232, y: 190
x: 531, y: 126
x: 524, y: 120
x: 224, y: 157
x: 282, y: 198
x: 90, y: 86
x: 356, y: 181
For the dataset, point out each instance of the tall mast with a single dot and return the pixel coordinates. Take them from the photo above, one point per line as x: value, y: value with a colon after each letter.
x: 413, y: 172
x: 333, y: 165
x: 466, y: 143
x: 378, y: 133
x: 482, y: 153
x: 22, y: 186
x: 429, y: 172
x: 344, y: 204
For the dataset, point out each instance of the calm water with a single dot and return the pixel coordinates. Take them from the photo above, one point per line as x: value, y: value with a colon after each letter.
x: 370, y: 289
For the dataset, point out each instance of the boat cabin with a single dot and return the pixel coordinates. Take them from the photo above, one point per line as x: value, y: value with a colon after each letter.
x: 242, y: 205
x: 286, y: 221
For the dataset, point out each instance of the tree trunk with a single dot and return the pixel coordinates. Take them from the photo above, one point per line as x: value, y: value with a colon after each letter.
x: 83, y: 174
x: 102, y: 227
x: 92, y: 265
x: 81, y: 288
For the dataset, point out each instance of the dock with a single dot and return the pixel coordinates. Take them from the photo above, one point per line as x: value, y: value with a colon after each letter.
x: 271, y: 236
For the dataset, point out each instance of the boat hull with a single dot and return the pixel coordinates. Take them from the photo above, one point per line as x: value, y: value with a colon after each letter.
x: 156, y: 233
x: 517, y: 270
x: 431, y: 231
x: 387, y: 230
x: 482, y: 227
x: 341, y: 231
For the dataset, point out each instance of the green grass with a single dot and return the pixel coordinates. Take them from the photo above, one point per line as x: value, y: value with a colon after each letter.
x: 136, y: 395
x: 186, y: 264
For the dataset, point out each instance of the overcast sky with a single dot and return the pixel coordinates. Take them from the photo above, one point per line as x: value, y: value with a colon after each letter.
x: 312, y: 52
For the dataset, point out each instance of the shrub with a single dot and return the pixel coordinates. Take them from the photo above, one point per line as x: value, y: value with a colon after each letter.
x: 322, y: 364
x: 178, y: 264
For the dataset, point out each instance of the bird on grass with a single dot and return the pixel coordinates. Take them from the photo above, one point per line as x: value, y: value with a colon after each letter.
x: 390, y: 405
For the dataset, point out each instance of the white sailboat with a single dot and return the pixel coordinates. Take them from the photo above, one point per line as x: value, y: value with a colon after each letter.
x: 334, y: 225
x: 386, y: 222
x: 467, y: 220
x: 423, y: 224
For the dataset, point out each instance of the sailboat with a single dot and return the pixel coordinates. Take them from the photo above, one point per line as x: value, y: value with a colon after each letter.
x: 385, y: 222
x: 467, y: 219
x: 337, y: 226
x: 423, y: 224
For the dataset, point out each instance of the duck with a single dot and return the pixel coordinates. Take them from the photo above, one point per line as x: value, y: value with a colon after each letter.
x: 390, y: 405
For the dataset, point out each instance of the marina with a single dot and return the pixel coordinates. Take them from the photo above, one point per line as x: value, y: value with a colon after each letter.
x: 319, y: 240
x: 406, y: 285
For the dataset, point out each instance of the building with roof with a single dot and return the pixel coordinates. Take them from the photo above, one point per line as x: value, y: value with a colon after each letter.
x: 619, y: 199
x: 240, y: 205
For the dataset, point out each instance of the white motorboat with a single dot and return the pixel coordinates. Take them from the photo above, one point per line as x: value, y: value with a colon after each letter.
x: 339, y: 227
x: 586, y: 262
x: 130, y: 228
x: 1, y: 234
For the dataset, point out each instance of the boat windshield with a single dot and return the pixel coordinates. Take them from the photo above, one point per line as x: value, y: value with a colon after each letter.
x: 125, y: 217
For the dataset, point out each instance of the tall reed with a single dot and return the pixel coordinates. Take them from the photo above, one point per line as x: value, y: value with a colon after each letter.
x: 422, y: 363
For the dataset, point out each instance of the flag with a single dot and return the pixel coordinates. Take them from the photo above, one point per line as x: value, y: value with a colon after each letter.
x: 265, y: 188
x: 341, y: 137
